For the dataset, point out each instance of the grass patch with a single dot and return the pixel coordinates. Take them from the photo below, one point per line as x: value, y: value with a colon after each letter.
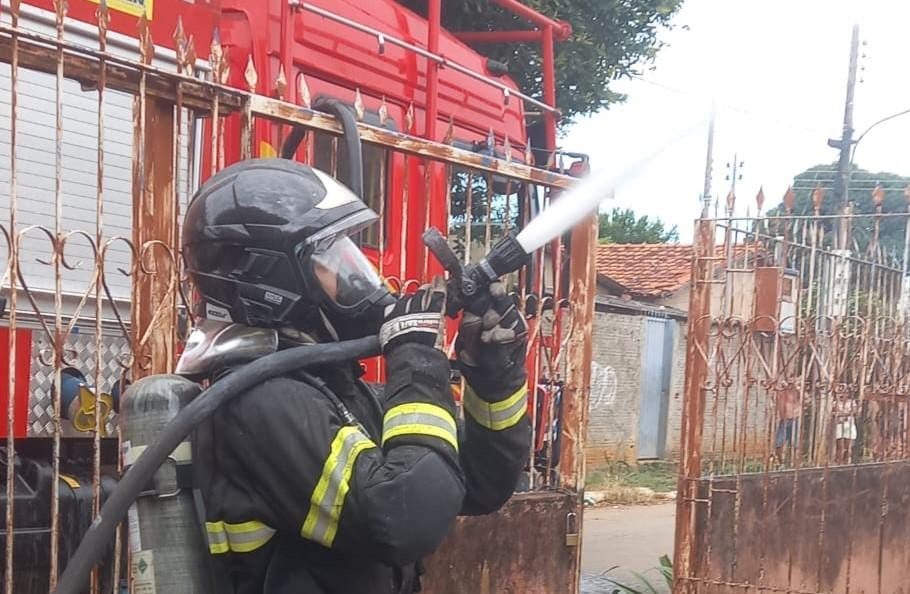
x: 622, y: 483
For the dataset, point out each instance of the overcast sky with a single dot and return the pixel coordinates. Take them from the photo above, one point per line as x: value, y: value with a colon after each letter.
x: 777, y: 70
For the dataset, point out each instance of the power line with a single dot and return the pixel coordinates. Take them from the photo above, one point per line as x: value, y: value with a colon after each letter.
x: 770, y: 117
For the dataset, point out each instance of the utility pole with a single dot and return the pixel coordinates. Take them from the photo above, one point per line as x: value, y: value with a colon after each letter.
x: 735, y: 174
x: 709, y: 165
x: 845, y: 144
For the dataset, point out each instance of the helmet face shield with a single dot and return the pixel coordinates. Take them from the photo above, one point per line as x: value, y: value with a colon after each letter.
x: 344, y: 273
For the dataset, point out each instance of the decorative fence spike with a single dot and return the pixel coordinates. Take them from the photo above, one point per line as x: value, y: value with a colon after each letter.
x: 216, y: 54
x: 358, y: 105
x: 190, y: 56
x: 409, y: 118
x: 789, y: 199
x: 180, y: 44
x: 529, y: 153
x: 507, y: 149
x: 103, y: 16
x: 760, y: 199
x: 303, y: 92
x: 449, y: 137
x: 281, y: 83
x: 878, y: 196
x: 146, y: 45
x: 250, y: 75
x: 818, y: 197
x: 383, y: 112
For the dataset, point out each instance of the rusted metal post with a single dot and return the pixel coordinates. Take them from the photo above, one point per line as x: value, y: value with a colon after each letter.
x: 694, y: 405
x: 549, y: 86
x: 582, y: 289
x: 154, y: 310
x: 434, y: 14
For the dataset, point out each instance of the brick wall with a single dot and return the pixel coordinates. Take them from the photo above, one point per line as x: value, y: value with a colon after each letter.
x: 616, y: 388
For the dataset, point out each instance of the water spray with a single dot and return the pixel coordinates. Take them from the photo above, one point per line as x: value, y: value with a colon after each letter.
x: 513, y: 252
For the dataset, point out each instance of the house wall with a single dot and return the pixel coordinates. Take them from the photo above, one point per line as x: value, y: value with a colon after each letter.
x: 616, y: 379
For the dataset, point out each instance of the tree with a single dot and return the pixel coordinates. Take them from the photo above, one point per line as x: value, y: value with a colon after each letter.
x: 622, y: 226
x: 611, y: 39
x: 861, y: 184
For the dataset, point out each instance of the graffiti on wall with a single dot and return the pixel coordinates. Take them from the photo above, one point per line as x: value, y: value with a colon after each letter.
x: 603, y: 386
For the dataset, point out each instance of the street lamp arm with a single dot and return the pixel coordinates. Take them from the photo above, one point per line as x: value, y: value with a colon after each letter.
x: 881, y: 121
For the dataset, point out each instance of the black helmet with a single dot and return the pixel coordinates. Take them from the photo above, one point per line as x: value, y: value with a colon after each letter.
x: 266, y: 242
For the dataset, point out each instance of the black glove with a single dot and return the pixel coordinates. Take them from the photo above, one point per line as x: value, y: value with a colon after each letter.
x: 492, y: 344
x: 416, y: 318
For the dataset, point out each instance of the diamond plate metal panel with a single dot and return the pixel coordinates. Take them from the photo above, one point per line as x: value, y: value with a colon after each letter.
x: 80, y: 349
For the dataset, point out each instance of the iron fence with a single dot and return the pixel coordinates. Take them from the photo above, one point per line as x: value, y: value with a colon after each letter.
x: 794, y: 453
x: 102, y: 152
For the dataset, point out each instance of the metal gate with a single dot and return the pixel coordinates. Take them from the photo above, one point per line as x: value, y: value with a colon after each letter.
x: 795, y: 459
x: 77, y: 313
x: 656, y: 368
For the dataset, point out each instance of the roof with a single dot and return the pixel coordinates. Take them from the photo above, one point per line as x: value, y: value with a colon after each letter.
x: 620, y: 305
x: 647, y: 269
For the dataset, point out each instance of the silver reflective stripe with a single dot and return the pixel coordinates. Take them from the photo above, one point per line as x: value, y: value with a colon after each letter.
x: 420, y: 418
x: 327, y: 501
x: 243, y: 537
x: 497, y: 416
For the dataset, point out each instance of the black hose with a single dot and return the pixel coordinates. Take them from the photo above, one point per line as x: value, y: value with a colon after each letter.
x: 352, y: 143
x: 99, y: 536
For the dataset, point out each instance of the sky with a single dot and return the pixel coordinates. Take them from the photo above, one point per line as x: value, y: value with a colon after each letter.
x: 777, y: 72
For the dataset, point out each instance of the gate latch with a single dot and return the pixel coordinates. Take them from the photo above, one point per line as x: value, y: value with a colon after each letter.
x: 571, y: 529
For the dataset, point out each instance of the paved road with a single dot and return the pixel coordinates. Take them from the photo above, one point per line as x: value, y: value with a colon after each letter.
x: 628, y: 537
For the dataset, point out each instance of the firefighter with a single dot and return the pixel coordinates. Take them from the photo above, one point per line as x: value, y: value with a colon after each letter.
x: 315, y: 482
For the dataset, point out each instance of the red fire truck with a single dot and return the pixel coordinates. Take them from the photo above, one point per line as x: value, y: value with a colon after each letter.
x: 394, y: 68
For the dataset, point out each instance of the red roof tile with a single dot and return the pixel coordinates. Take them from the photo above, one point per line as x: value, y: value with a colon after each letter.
x: 649, y: 269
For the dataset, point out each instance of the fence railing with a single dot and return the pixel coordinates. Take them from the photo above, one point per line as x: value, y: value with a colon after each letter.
x: 102, y: 153
x: 795, y: 428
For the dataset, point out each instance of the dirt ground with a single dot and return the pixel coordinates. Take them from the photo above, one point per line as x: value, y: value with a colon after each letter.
x: 630, y: 537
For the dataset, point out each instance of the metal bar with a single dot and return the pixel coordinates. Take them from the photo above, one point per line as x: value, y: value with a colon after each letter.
x: 38, y: 51
x: 521, y: 36
x: 549, y: 86
x: 578, y: 378
x: 280, y: 111
x: 13, y: 264
x: 60, y: 13
x: 440, y: 60
x: 694, y: 406
x: 434, y: 15
x: 103, y: 19
x: 561, y: 29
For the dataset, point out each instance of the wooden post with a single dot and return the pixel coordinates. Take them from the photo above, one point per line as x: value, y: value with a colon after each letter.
x: 694, y: 403
x: 154, y: 308
x: 582, y: 290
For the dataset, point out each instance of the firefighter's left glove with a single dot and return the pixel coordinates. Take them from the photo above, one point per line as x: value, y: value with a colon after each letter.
x: 492, y: 344
x: 417, y: 318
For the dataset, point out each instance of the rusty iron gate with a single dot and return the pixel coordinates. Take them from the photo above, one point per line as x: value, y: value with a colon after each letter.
x: 93, y: 278
x: 795, y: 456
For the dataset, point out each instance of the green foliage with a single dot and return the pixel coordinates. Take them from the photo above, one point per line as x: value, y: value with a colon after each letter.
x: 665, y: 569
x: 622, y: 226
x: 862, y: 182
x: 611, y: 39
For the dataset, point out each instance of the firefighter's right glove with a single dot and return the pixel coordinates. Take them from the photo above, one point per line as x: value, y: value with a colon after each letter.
x: 416, y: 318
x: 492, y: 344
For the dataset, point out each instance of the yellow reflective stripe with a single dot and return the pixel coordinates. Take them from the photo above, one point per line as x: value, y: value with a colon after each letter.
x: 420, y: 418
x: 244, y: 537
x: 327, y: 500
x: 500, y: 415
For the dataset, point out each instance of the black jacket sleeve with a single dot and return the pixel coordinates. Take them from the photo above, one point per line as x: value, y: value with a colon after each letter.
x: 392, y: 499
x: 496, y: 439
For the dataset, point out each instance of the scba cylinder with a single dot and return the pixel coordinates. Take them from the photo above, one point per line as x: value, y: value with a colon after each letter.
x: 169, y: 553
